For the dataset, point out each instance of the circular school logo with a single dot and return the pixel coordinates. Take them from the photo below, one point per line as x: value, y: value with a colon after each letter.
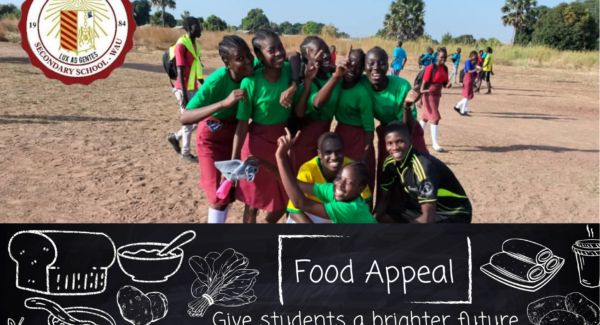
x: 77, y: 41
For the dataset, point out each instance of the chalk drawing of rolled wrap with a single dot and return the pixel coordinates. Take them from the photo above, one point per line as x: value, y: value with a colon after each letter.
x: 516, y: 268
x: 527, y: 250
x: 62, y: 263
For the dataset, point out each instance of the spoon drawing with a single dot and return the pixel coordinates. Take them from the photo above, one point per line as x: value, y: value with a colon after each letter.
x: 184, y: 238
x: 55, y: 310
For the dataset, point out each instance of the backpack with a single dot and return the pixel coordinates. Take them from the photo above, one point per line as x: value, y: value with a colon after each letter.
x: 454, y: 57
x: 169, y: 62
x: 419, y: 79
x: 421, y: 60
x: 462, y: 75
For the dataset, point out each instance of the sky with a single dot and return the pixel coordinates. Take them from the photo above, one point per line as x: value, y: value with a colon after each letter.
x: 361, y: 18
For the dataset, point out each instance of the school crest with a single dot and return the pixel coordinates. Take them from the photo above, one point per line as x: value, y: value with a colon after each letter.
x: 77, y: 41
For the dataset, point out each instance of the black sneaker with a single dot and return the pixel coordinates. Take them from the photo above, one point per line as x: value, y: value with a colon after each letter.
x: 189, y: 158
x: 456, y: 109
x: 174, y: 142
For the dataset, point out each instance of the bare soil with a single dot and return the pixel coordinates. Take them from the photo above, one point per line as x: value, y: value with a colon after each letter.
x: 82, y: 154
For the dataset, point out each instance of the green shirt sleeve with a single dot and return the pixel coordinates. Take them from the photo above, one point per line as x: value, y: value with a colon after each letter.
x: 245, y: 107
x: 203, y: 97
x: 324, y: 192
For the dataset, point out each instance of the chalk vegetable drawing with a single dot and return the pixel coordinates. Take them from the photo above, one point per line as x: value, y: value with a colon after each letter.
x: 139, y: 308
x: 222, y: 280
x: 69, y: 315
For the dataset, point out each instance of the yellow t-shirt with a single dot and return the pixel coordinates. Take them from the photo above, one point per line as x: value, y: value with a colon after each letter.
x: 487, y: 62
x: 311, y: 172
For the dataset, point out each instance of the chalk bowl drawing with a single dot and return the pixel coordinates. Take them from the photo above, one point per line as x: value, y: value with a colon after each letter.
x: 70, y: 315
x: 62, y: 263
x: 572, y: 309
x: 587, y: 254
x: 153, y: 262
x: 138, y: 308
x: 222, y: 280
x: 523, y: 265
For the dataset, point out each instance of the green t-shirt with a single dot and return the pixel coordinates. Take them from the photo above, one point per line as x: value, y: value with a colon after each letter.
x: 257, y: 64
x: 215, y: 88
x: 355, y: 107
x: 326, y: 112
x: 356, y: 211
x: 388, y: 104
x: 263, y: 98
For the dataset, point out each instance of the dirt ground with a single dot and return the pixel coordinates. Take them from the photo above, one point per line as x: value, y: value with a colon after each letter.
x: 528, y: 154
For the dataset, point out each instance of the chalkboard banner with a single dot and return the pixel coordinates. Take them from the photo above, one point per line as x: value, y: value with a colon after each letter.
x: 300, y: 275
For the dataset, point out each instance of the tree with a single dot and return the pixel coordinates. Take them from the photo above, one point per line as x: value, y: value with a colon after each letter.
x: 312, y: 28
x: 274, y: 27
x: 286, y: 28
x: 185, y: 14
x: 515, y: 14
x: 163, y: 5
x: 405, y: 21
x: 255, y: 20
x: 464, y: 39
x: 330, y: 30
x: 566, y: 27
x: 214, y: 23
x: 141, y: 12
x: 9, y: 11
x: 524, y: 35
x: 594, y: 7
x: 297, y: 28
x: 446, y: 38
x: 157, y: 19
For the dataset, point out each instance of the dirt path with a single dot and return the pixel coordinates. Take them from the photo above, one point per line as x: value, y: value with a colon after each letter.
x: 529, y: 153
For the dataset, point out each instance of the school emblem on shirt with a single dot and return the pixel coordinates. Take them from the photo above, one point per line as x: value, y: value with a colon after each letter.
x: 77, y: 41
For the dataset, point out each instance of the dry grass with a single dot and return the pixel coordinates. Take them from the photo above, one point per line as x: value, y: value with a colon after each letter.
x: 9, y: 30
x: 535, y: 56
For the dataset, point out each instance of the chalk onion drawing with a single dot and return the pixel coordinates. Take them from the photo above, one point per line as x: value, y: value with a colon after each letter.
x: 70, y: 315
x: 222, y: 280
x: 62, y: 263
x: 138, y: 308
x: 587, y: 254
x: 153, y: 262
x: 523, y: 265
x: 12, y: 322
x: 572, y: 309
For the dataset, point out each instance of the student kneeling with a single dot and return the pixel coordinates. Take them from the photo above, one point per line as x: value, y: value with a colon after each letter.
x: 341, y: 201
x: 434, y: 193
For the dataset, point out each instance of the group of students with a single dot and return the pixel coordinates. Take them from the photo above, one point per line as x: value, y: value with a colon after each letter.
x: 260, y: 111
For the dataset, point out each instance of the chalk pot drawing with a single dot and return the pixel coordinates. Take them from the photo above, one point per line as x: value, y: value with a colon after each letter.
x: 523, y: 265
x: 141, y: 309
x: 12, y: 322
x: 587, y: 254
x: 573, y: 309
x: 62, y: 263
x: 70, y: 315
x: 153, y: 262
x: 222, y: 280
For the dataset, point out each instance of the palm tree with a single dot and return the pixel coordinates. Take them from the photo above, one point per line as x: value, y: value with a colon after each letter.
x: 515, y: 14
x: 163, y: 4
x: 405, y: 20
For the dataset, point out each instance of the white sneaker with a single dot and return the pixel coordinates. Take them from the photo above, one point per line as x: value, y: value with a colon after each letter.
x: 437, y: 148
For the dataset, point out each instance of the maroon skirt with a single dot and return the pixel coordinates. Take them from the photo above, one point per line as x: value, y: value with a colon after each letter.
x: 265, y: 192
x: 354, y: 144
x: 468, y: 81
x: 418, y: 143
x: 431, y: 103
x: 211, y: 147
x: 305, y: 147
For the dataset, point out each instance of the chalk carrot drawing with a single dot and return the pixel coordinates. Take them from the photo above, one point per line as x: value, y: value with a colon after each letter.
x: 222, y: 280
x: 138, y: 308
x: 572, y: 309
x: 12, y: 322
x: 164, y: 260
x: 69, y: 315
x: 62, y: 263
x: 523, y: 265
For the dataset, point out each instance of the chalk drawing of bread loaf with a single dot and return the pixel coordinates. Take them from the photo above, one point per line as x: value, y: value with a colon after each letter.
x: 62, y: 263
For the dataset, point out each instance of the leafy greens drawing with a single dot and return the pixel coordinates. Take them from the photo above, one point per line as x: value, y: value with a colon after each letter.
x: 222, y: 280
